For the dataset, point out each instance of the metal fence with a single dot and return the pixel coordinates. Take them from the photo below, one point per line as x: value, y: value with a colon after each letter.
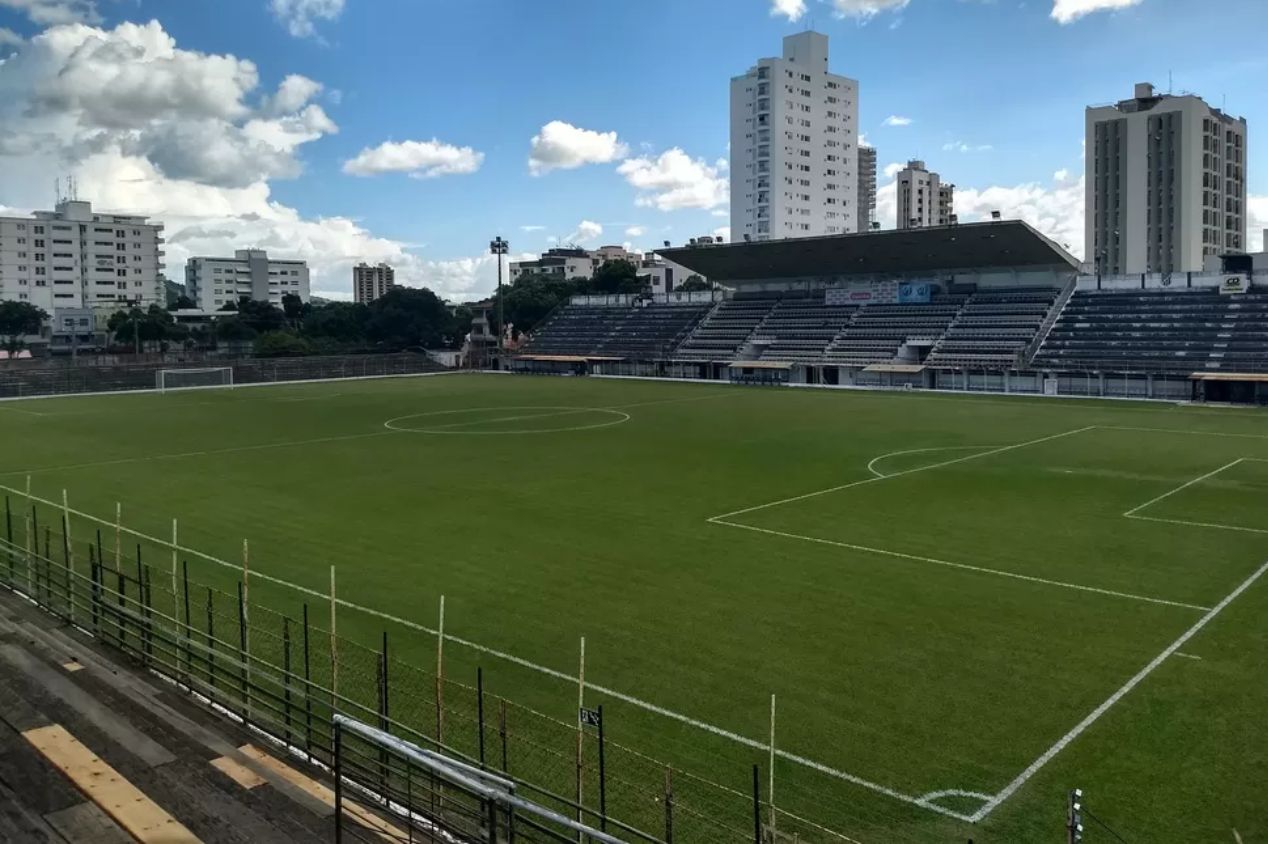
x: 34, y: 378
x: 288, y: 676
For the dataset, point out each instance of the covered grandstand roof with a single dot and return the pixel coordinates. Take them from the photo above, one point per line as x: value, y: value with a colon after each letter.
x: 1009, y: 243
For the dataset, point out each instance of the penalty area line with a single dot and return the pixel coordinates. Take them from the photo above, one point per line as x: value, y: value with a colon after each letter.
x: 963, y: 566
x: 1122, y: 692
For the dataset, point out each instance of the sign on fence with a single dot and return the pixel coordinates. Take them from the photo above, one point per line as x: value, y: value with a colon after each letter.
x: 589, y: 717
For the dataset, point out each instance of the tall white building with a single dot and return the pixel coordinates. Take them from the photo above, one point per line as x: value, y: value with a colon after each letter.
x: 215, y: 282
x: 75, y: 258
x: 923, y: 200
x: 370, y: 283
x: 867, y: 187
x: 794, y: 139
x: 1166, y: 184
x: 569, y: 262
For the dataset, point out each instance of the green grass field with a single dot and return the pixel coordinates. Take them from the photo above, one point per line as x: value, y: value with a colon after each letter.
x: 964, y: 606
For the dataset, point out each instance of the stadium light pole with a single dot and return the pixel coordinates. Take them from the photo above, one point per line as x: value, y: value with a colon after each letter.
x: 499, y: 247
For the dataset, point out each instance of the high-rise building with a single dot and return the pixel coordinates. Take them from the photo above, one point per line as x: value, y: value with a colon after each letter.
x: 75, y: 258
x: 867, y: 187
x: 370, y: 283
x: 794, y: 153
x: 1166, y: 184
x: 215, y: 282
x: 923, y: 200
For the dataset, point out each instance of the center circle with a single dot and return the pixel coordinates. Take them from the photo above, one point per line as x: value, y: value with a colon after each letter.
x: 508, y: 419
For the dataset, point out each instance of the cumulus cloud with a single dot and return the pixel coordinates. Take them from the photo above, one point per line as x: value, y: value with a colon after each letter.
x: 587, y: 230
x: 421, y: 159
x: 10, y: 38
x: 675, y: 180
x: 53, y: 12
x: 562, y: 146
x: 791, y: 9
x: 891, y: 170
x: 1068, y: 11
x: 897, y: 120
x: 300, y: 16
x: 865, y: 9
x: 186, y: 138
x: 723, y: 232
x: 1258, y: 213
x: 635, y: 231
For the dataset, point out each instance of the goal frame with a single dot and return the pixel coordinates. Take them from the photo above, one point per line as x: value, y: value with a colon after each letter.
x: 161, y: 384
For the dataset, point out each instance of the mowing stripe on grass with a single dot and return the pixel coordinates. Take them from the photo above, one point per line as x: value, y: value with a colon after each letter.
x: 1096, y: 713
x: 964, y: 566
x: 1181, y: 488
x: 839, y: 488
x: 1187, y: 523
x: 1182, y: 431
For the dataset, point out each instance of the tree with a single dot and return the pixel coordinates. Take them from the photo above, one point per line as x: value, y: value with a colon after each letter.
x: 281, y: 344
x: 234, y: 330
x: 182, y: 303
x: 138, y: 328
x: 619, y: 276
x: 261, y: 316
x: 342, y: 322
x: 408, y: 316
x: 18, y: 319
x: 694, y: 283
x: 530, y: 298
x: 293, y: 308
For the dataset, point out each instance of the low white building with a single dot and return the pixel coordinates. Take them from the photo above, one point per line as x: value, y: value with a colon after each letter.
x: 75, y: 258
x: 215, y: 282
x: 567, y: 263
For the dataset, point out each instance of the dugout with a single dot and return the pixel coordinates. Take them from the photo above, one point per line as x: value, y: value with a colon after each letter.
x: 1230, y: 387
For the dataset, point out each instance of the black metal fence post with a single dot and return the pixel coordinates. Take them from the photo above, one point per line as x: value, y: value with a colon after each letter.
x: 189, y: 668
x: 506, y: 769
x: 382, y: 690
x: 211, y: 644
x: 286, y: 675
x: 603, y: 779
x: 757, y: 806
x: 669, y: 806
x: 480, y: 709
x: 338, y: 784
x: 308, y: 692
x: 147, y: 612
x: 94, y: 571
x: 66, y: 580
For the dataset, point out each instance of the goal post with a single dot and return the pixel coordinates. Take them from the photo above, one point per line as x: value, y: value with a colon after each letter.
x: 193, y: 378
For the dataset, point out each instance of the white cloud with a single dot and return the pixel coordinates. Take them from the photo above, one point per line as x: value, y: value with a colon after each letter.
x: 300, y: 16
x: 562, y: 146
x: 421, y: 159
x: 865, y: 9
x: 587, y: 230
x: 293, y: 93
x: 791, y: 9
x: 723, y: 232
x: 9, y: 37
x: 897, y: 120
x: 53, y: 12
x: 675, y: 180
x: 1068, y: 11
x: 635, y: 231
x: 532, y: 228
x: 892, y: 170
x: 1061, y: 175
x: 961, y: 146
x: 720, y: 212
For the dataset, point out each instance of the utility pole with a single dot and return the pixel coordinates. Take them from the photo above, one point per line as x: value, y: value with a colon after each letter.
x: 500, y: 247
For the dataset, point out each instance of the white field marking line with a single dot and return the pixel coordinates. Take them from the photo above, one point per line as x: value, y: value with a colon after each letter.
x: 1130, y: 513
x: 1187, y: 656
x: 23, y: 410
x: 1182, y: 431
x: 622, y: 417
x: 150, y: 457
x: 953, y: 792
x: 964, y: 566
x: 1096, y: 713
x: 871, y: 467
x: 542, y: 669
x: 1198, y: 524
x: 912, y: 471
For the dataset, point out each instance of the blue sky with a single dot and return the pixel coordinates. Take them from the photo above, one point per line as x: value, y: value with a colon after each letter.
x: 633, y: 98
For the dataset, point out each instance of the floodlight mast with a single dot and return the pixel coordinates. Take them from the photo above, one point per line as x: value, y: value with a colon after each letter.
x: 499, y: 247
x: 1074, y: 817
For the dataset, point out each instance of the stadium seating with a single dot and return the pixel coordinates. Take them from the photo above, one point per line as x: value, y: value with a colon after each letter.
x: 1159, y: 330
x: 801, y: 328
x: 994, y: 328
x: 648, y: 332
x: 722, y: 334
x: 878, y: 332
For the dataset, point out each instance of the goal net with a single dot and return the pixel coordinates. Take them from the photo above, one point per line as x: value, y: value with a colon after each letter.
x: 187, y: 379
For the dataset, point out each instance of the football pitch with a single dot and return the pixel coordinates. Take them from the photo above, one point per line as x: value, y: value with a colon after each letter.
x: 963, y: 606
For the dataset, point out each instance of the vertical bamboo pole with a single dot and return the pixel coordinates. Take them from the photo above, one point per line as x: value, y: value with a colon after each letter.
x: 176, y: 604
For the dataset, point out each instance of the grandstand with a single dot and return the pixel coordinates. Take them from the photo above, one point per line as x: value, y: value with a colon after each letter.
x: 920, y: 308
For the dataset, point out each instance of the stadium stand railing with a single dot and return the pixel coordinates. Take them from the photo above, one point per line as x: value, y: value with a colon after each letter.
x: 800, y: 328
x: 727, y: 327
x: 1159, y: 330
x: 647, y: 331
x: 878, y: 332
